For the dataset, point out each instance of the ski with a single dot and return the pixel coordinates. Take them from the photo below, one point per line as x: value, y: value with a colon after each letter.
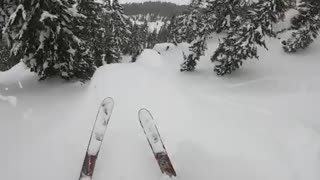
x: 97, y: 134
x: 154, y: 139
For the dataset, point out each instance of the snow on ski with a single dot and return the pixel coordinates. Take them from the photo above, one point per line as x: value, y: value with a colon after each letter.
x: 153, y: 136
x: 96, y: 138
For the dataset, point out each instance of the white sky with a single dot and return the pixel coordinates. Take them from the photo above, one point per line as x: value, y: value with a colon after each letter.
x: 173, y: 1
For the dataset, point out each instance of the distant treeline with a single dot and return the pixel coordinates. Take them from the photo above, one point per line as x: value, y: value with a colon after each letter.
x: 158, y: 8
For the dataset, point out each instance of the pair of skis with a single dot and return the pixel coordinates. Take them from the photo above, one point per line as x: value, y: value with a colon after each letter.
x: 100, y: 126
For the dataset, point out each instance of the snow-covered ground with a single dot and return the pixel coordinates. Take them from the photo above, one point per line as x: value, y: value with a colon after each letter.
x: 153, y: 25
x: 260, y: 123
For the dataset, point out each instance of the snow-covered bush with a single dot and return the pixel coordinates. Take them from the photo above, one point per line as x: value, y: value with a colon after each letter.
x: 306, y: 26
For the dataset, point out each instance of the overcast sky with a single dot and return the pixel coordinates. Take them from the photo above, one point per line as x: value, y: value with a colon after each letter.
x: 173, y: 1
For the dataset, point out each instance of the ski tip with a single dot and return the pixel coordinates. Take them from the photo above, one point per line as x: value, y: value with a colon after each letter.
x: 107, y: 101
x: 107, y: 105
x: 144, y: 111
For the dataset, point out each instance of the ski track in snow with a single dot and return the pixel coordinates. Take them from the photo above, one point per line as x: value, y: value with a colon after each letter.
x: 261, y: 123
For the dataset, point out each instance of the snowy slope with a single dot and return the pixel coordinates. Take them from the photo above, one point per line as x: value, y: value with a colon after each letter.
x: 260, y: 123
x: 152, y: 25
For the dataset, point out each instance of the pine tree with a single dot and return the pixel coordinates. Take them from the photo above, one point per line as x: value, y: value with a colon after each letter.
x: 224, y: 15
x: 3, y: 16
x: 197, y: 49
x: 245, y: 22
x: 7, y: 7
x: 125, y: 45
x: 121, y: 28
x: 188, y: 24
x: 196, y: 31
x: 117, y: 31
x: 212, y: 16
x: 172, y: 31
x: 306, y: 26
x: 136, y: 43
x: 163, y: 33
x: 92, y: 30
x: 152, y: 39
x: 45, y: 33
x: 242, y: 42
x: 144, y: 30
x: 7, y: 61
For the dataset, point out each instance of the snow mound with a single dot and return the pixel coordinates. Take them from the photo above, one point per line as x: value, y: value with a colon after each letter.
x: 150, y: 58
x: 163, y: 47
x: 15, y: 75
x: 10, y: 99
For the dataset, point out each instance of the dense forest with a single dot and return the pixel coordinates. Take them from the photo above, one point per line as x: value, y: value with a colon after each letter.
x: 111, y: 33
x: 157, y: 8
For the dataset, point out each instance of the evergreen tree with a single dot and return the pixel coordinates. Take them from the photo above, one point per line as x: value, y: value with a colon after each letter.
x: 7, y: 7
x: 136, y: 43
x: 306, y: 26
x: 45, y: 33
x: 144, y: 30
x: 3, y: 16
x: 242, y: 42
x: 107, y: 39
x: 246, y: 22
x: 92, y: 31
x: 188, y: 24
x: 7, y: 61
x: 163, y: 33
x: 152, y: 39
x: 212, y: 16
x: 224, y: 15
x: 195, y: 30
x: 197, y: 49
x: 172, y: 31
x: 4, y: 58
x: 125, y: 45
x: 121, y: 28
x: 117, y: 31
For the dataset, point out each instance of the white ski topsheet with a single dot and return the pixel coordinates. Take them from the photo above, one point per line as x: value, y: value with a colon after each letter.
x: 100, y: 125
x: 150, y: 130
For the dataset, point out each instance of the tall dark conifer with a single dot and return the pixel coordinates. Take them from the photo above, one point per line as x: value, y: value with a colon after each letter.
x: 136, y: 42
x: 172, y: 30
x: 117, y: 31
x: 92, y: 30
